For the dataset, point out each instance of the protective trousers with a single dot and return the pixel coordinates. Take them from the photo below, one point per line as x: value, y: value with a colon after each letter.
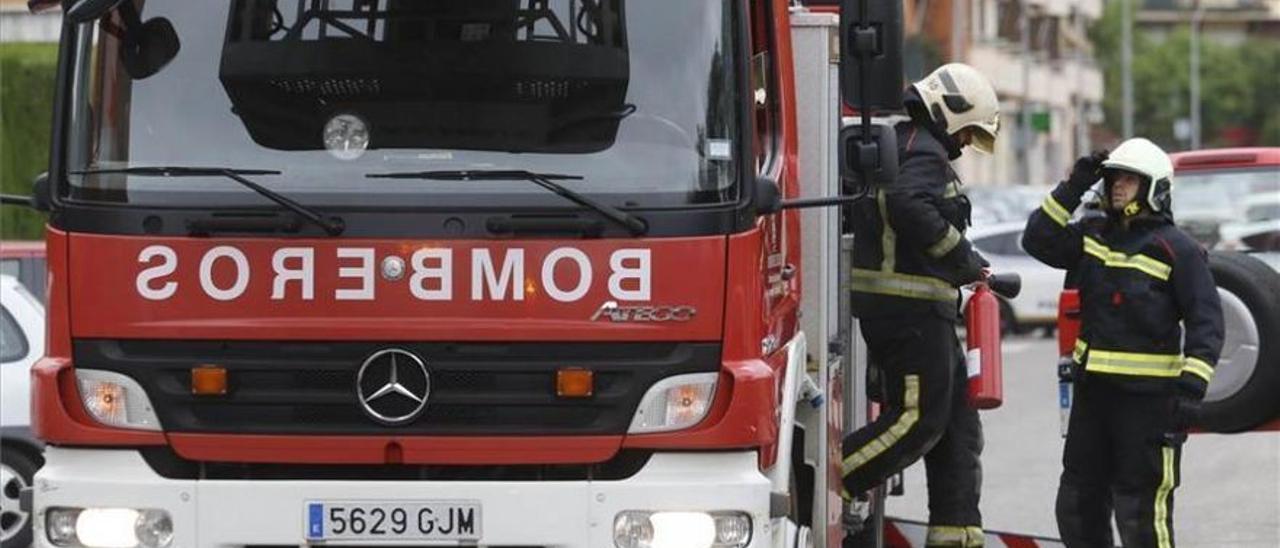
x: 1120, y: 456
x: 924, y: 411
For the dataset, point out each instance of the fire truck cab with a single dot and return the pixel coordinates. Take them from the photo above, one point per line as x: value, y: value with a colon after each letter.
x: 482, y: 272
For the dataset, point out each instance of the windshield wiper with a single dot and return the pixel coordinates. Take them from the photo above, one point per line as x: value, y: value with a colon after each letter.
x: 635, y: 225
x: 332, y: 226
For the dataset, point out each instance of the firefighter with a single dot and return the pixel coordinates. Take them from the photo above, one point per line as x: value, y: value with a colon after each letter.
x: 910, y: 256
x: 1138, y: 385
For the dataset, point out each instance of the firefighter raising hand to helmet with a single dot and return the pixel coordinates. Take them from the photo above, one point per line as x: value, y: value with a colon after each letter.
x: 1138, y: 385
x: 909, y: 258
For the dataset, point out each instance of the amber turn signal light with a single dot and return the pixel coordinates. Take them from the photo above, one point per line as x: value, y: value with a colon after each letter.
x: 572, y: 382
x: 208, y: 380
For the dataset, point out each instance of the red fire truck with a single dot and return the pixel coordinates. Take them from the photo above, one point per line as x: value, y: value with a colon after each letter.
x: 482, y: 272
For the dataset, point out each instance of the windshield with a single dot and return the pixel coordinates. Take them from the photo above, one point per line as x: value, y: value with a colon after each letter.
x: 1221, y: 195
x: 638, y: 99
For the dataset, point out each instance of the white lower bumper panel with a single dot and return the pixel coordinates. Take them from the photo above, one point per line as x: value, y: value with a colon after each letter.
x: 561, y: 514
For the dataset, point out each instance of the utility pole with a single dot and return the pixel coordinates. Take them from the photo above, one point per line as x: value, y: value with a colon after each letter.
x: 1024, y: 128
x: 1126, y: 65
x: 959, y: 26
x: 1197, y: 17
x: 1081, y: 105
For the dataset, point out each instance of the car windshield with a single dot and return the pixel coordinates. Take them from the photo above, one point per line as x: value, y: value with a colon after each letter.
x: 329, y: 92
x: 1221, y: 195
x: 1265, y: 212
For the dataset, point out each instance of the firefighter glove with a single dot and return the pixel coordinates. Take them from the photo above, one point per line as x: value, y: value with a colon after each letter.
x: 1086, y: 172
x: 964, y: 264
x: 1186, y: 409
x: 1191, y: 386
x: 1186, y: 413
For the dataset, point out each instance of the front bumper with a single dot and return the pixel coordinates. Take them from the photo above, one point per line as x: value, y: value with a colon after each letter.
x: 264, y: 513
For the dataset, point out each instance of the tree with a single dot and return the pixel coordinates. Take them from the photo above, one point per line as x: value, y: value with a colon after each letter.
x: 26, y: 106
x: 1237, y: 85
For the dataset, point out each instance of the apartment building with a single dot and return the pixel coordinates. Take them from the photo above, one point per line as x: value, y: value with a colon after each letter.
x: 18, y: 25
x: 1038, y: 56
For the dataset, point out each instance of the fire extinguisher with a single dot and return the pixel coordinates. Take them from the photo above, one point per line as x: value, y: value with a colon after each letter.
x: 983, y: 357
x: 1068, y: 331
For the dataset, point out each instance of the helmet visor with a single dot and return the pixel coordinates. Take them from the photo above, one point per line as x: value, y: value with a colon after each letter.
x: 983, y: 141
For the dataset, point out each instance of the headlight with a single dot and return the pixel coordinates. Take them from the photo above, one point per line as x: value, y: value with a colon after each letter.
x: 645, y: 529
x: 60, y: 525
x: 109, y: 527
x: 674, y: 403
x: 116, y: 400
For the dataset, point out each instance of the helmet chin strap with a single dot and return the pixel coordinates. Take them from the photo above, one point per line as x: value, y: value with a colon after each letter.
x: 1132, y: 209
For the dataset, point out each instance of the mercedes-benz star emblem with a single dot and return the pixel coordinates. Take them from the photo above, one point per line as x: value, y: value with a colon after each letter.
x: 393, y: 386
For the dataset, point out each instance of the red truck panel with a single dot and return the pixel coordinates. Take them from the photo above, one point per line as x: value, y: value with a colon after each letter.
x: 128, y: 287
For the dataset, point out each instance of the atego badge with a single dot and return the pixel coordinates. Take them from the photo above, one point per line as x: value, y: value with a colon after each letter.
x: 612, y: 311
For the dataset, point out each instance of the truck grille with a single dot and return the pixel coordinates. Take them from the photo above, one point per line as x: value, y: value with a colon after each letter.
x: 476, y: 388
x: 165, y: 462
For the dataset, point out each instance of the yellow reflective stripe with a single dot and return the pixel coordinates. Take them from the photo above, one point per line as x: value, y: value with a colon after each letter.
x: 1081, y: 347
x: 910, y: 414
x: 954, y: 535
x: 1198, y: 367
x: 952, y: 190
x: 1092, y: 247
x: 948, y: 535
x: 888, y: 238
x: 902, y: 285
x: 1116, y: 259
x: 1134, y: 363
x: 946, y: 244
x: 1162, y: 499
x: 1055, y: 211
x: 976, y: 536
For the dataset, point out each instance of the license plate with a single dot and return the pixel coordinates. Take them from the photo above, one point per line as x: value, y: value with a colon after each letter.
x: 400, y: 520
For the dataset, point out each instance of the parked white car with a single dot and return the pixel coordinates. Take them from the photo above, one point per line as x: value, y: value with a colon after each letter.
x: 1261, y: 222
x: 1037, y: 305
x: 21, y: 344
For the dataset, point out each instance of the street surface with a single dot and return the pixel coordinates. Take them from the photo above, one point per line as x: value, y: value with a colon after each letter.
x: 1230, y: 492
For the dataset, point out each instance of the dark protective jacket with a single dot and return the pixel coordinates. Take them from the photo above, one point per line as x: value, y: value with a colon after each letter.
x: 1138, y: 286
x: 909, y: 240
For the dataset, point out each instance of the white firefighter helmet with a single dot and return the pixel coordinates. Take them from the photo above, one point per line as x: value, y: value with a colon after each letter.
x: 1149, y: 161
x: 958, y: 97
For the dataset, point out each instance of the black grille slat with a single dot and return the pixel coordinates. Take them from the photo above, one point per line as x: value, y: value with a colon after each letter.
x: 476, y: 388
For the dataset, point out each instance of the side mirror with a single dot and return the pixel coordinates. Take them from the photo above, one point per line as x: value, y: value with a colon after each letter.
x: 868, y: 158
x: 871, y: 54
x: 84, y: 11
x: 149, y: 47
x: 39, y: 198
x: 768, y: 196
x: 41, y: 193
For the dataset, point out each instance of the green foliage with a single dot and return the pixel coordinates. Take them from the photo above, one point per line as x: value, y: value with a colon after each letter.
x: 1262, y: 57
x: 26, y: 106
x: 1237, y: 84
